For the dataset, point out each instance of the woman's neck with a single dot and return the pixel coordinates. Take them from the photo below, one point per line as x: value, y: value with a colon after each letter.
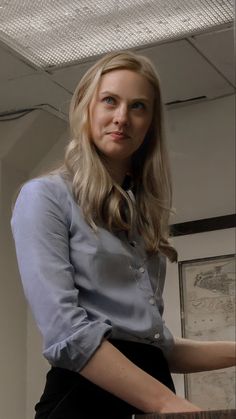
x: 118, y: 170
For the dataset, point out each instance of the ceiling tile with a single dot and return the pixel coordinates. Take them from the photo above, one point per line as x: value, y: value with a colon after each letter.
x: 33, y: 90
x: 218, y: 47
x: 185, y: 74
x: 11, y: 66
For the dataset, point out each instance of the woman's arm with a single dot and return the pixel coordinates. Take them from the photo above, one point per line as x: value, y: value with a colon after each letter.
x: 41, y: 228
x: 193, y: 356
x: 111, y: 370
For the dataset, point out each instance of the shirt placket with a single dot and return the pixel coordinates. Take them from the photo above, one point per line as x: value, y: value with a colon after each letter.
x: 140, y: 271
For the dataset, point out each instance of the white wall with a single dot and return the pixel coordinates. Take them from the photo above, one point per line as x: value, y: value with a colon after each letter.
x: 202, y: 143
x: 21, y: 146
x: 12, y: 313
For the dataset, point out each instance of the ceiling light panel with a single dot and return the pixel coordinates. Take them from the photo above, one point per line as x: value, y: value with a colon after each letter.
x: 54, y: 32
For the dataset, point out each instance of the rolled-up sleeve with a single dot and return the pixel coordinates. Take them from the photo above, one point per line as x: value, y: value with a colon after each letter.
x: 41, y: 230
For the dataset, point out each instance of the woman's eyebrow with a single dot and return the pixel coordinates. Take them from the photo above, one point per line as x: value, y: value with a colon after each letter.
x: 108, y: 93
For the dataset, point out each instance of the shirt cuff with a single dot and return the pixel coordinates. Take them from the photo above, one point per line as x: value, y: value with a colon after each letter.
x: 74, y: 352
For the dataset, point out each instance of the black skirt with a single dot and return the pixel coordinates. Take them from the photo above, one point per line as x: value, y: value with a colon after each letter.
x: 68, y: 395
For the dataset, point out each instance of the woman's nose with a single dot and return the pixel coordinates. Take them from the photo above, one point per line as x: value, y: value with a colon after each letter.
x: 121, y: 115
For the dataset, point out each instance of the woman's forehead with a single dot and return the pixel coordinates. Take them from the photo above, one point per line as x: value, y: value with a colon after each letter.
x: 125, y: 81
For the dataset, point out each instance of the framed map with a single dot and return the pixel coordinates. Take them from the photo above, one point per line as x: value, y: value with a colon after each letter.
x: 207, y: 300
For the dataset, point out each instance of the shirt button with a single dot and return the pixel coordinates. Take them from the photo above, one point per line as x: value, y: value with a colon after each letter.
x: 152, y: 301
x: 156, y: 336
x: 141, y: 269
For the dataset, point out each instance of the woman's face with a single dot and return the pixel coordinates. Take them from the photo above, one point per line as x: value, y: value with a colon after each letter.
x: 120, y: 114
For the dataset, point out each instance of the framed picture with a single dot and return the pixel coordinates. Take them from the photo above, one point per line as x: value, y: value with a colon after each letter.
x: 207, y: 300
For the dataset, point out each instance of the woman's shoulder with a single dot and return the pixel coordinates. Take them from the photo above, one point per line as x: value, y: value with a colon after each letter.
x: 42, y: 199
x: 45, y: 191
x: 53, y: 183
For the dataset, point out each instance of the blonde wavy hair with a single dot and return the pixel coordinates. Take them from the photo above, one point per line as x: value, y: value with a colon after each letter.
x: 103, y: 201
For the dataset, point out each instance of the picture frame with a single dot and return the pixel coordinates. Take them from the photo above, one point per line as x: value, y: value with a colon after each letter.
x: 207, y: 304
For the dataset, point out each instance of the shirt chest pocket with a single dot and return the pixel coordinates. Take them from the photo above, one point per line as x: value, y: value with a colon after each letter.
x: 111, y: 270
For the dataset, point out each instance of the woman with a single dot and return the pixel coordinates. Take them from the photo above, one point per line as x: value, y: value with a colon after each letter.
x: 91, y: 241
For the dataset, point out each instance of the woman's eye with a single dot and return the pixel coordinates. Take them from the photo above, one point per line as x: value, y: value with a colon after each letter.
x: 109, y: 100
x: 138, y: 105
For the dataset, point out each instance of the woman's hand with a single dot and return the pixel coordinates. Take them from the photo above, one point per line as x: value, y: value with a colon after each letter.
x: 177, y: 405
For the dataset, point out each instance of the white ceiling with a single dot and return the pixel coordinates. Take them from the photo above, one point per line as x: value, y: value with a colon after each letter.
x: 189, y: 68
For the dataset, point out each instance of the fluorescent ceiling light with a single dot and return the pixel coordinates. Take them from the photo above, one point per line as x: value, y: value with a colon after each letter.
x: 55, y: 32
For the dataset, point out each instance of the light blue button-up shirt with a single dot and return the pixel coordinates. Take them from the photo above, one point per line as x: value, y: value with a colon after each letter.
x: 84, y: 286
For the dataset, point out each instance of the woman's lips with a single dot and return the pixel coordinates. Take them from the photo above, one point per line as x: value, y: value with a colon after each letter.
x: 118, y: 135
